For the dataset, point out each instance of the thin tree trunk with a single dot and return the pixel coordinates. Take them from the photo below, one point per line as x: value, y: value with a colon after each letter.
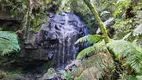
x: 98, y: 20
x: 105, y: 35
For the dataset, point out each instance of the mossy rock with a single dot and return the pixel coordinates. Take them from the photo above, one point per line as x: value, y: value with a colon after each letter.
x: 14, y: 77
x: 50, y: 74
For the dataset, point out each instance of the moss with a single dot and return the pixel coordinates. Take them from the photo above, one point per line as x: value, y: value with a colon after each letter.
x: 98, y: 20
x: 11, y: 75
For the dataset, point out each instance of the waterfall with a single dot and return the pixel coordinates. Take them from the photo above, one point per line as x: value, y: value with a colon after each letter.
x: 56, y: 38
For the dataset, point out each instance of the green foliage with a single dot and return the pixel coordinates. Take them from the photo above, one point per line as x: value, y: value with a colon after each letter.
x: 121, y: 6
x: 90, y: 39
x: 124, y: 26
x: 138, y: 30
x: 8, y: 43
x: 14, y: 7
x: 85, y: 52
x: 128, y: 77
x: 132, y: 54
x: 127, y: 36
x: 28, y: 12
x: 128, y: 54
x: 139, y: 77
x: 92, y: 68
x: 94, y: 65
x: 98, y: 47
x: 104, y: 5
x: 0, y: 29
x: 78, y: 7
x: 68, y: 75
x: 96, y: 40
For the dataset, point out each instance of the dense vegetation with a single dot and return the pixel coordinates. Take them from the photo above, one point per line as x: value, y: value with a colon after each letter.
x: 114, y: 53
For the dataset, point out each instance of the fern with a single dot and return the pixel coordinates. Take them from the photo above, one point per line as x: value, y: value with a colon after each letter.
x: 86, y: 51
x: 125, y: 49
x: 92, y: 68
x: 90, y: 39
x: 8, y: 43
x: 95, y: 64
x: 139, y: 77
x: 98, y: 47
x: 127, y: 77
x: 120, y: 7
x: 127, y: 36
x: 138, y: 42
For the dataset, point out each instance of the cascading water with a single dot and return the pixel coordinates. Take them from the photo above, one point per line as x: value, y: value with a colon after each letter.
x: 56, y: 39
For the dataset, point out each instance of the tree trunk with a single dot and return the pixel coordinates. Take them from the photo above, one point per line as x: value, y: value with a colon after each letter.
x: 105, y: 35
x: 98, y: 20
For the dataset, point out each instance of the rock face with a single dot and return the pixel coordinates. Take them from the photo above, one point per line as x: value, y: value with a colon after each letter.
x: 56, y: 39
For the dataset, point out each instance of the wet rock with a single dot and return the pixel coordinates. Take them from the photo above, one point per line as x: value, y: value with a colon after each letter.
x: 16, y: 77
x: 56, y: 39
x: 50, y: 75
x: 73, y: 64
x: 4, y: 76
x: 62, y: 74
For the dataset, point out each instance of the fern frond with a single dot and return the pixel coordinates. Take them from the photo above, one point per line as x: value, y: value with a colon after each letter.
x: 92, y: 68
x: 98, y: 47
x: 138, y: 42
x: 90, y: 39
x: 139, y: 77
x: 126, y: 36
x: 127, y: 77
x: 8, y: 42
x: 125, y: 49
x: 85, y: 52
x: 138, y: 30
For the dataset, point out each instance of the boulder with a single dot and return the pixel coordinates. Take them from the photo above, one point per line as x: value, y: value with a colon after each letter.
x: 50, y: 75
x: 56, y: 38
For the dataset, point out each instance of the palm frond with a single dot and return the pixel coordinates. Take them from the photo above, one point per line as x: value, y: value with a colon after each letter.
x: 125, y: 49
x: 90, y: 39
x: 8, y: 42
